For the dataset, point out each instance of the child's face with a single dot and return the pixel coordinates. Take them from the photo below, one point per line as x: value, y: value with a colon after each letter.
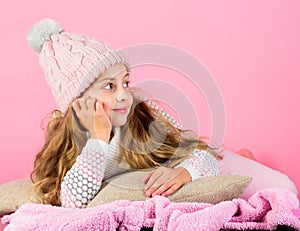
x: 112, y: 89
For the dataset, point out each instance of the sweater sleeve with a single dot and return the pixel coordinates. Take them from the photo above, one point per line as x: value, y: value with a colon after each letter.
x: 201, y: 164
x: 83, y: 181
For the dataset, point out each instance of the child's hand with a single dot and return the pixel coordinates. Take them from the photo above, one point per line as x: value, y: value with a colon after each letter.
x: 94, y: 117
x: 165, y: 181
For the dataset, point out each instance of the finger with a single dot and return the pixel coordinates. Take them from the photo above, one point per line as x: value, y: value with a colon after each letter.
x: 84, y: 103
x: 157, y: 184
x: 171, y: 190
x: 147, y: 177
x: 100, y: 108
x: 163, y: 188
x: 76, y: 106
x: 107, y: 110
x: 153, y: 178
x: 90, y: 103
x: 80, y: 103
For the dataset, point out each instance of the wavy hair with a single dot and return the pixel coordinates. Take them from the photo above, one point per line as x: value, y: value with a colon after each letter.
x: 148, y: 140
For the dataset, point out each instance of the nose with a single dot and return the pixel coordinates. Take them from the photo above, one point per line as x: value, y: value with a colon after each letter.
x: 122, y: 95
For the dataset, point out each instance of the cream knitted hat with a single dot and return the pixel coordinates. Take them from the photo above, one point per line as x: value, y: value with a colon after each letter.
x: 71, y: 62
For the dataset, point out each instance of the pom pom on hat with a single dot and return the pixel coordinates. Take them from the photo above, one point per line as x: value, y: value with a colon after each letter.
x: 42, y: 32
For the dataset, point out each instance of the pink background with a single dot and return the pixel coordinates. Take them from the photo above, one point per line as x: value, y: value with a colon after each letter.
x: 251, y: 48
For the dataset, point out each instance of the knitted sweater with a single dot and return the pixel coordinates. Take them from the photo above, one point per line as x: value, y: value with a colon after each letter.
x: 99, y: 162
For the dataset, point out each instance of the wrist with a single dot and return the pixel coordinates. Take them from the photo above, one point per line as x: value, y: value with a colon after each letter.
x: 184, y: 174
x: 104, y: 136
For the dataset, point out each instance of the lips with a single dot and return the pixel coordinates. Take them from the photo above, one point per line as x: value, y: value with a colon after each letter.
x: 122, y: 110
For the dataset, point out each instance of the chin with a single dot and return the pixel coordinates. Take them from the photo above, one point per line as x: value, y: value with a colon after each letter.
x: 119, y: 120
x: 118, y: 123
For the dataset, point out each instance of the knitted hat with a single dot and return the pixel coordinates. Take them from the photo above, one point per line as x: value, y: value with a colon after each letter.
x: 71, y: 62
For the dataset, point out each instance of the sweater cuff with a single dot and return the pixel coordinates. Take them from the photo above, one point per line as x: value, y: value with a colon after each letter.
x: 193, y: 173
x: 97, y: 145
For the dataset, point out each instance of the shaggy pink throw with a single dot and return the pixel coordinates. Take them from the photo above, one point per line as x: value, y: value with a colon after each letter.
x: 264, y: 210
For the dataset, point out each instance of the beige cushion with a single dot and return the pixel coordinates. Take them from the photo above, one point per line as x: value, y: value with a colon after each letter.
x: 14, y: 194
x: 129, y: 186
x: 213, y: 190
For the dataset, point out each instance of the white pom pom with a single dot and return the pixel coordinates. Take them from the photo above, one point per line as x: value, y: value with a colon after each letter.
x: 41, y: 32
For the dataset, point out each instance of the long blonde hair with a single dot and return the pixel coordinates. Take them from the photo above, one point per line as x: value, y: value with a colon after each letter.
x: 147, y: 140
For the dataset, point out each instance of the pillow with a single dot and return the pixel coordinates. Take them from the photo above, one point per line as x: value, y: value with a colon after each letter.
x: 14, y: 194
x: 129, y: 186
x: 262, y: 176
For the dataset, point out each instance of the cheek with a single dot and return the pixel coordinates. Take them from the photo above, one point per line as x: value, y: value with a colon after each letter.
x: 107, y: 101
x: 130, y: 99
x: 93, y: 93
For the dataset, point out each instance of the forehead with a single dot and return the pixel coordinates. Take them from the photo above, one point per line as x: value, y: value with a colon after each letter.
x: 113, y: 72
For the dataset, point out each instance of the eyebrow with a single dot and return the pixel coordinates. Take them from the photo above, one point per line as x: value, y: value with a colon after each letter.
x: 112, y: 78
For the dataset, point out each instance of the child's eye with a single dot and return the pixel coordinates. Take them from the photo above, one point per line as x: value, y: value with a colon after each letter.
x: 126, y: 84
x: 108, y: 86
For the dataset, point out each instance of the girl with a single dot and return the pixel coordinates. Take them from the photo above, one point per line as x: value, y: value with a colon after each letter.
x: 102, y: 128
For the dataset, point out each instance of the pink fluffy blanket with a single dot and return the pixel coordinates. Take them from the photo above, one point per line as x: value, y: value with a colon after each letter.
x: 264, y: 210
